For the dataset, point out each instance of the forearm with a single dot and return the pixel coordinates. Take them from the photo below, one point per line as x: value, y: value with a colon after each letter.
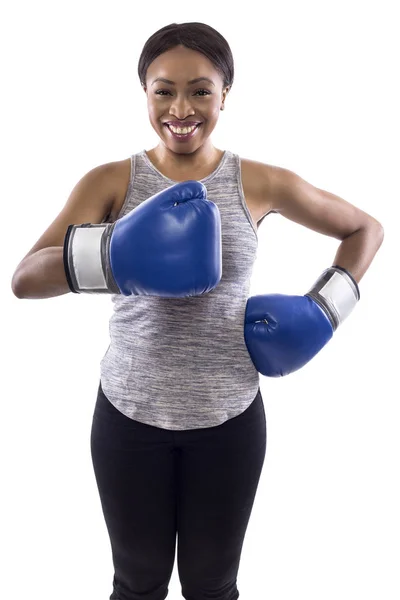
x: 41, y: 275
x: 356, y: 252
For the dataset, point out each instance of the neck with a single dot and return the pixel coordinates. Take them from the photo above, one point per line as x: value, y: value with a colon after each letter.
x: 199, y: 159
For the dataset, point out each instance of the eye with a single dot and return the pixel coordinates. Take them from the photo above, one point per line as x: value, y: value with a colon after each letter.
x: 161, y: 92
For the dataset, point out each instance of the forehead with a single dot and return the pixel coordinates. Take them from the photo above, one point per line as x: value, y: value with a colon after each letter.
x: 181, y: 64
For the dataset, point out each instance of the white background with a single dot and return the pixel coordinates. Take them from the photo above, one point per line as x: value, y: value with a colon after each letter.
x: 315, y: 91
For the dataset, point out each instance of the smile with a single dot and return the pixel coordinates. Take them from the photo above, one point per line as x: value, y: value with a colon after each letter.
x: 183, y: 133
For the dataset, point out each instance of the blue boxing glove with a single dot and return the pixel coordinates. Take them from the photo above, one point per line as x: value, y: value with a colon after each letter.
x: 168, y: 246
x: 283, y: 333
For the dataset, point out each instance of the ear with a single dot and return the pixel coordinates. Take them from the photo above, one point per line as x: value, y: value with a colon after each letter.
x: 225, y: 92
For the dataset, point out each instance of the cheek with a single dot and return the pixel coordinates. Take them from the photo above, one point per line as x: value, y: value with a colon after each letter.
x: 153, y: 113
x: 213, y: 109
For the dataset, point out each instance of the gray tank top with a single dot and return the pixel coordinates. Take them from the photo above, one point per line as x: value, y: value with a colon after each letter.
x: 182, y: 363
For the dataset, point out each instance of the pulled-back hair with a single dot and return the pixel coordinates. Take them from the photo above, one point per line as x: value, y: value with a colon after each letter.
x: 197, y: 36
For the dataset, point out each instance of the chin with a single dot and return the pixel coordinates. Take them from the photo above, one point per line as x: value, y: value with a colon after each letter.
x: 179, y: 148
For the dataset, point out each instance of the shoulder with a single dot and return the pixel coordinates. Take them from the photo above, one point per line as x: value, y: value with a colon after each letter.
x: 113, y: 174
x: 258, y: 181
x: 119, y: 173
x: 265, y: 175
x: 123, y: 170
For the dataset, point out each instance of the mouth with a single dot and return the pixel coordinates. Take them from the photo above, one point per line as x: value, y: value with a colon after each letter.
x: 182, y: 133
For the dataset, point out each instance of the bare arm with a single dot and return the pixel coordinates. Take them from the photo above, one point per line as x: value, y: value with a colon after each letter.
x: 361, y: 234
x: 41, y: 275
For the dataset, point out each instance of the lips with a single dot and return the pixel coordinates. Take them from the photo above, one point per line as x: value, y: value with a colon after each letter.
x: 181, y: 124
x: 183, y: 137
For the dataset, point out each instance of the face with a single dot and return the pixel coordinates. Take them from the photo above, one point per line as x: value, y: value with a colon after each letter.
x: 180, y: 102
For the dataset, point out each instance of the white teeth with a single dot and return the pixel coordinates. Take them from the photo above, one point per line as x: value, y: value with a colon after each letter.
x: 182, y: 130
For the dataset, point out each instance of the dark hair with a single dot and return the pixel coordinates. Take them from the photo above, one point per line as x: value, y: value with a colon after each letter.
x: 197, y: 36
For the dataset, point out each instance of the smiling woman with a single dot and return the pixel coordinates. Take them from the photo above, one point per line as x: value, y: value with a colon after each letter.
x: 181, y: 130
x: 178, y: 437
x: 186, y: 90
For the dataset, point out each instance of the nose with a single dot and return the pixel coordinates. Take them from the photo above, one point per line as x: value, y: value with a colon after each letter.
x: 181, y: 107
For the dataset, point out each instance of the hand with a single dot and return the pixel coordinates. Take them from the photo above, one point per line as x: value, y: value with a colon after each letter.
x: 169, y: 246
x: 283, y: 333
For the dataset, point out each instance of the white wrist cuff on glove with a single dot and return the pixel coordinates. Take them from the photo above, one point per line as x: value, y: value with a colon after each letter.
x: 337, y: 293
x: 85, y: 259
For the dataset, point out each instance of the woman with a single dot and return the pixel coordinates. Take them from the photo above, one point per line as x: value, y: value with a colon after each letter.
x: 179, y: 434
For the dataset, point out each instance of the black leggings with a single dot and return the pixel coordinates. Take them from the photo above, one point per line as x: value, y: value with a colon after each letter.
x: 157, y: 484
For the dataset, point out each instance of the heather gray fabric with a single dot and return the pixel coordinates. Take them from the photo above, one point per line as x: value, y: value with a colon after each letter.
x: 182, y: 363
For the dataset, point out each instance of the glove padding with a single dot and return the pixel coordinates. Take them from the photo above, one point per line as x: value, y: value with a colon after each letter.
x: 169, y: 246
x: 283, y: 333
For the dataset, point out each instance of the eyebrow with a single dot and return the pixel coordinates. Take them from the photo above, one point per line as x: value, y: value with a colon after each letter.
x: 189, y: 82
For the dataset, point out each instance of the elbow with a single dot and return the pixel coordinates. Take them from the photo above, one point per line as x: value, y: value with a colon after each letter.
x: 376, y: 230
x: 380, y: 232
x: 16, y: 286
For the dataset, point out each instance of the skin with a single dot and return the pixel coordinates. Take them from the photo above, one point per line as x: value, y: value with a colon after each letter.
x: 184, y: 102
x: 268, y: 188
x: 273, y: 188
